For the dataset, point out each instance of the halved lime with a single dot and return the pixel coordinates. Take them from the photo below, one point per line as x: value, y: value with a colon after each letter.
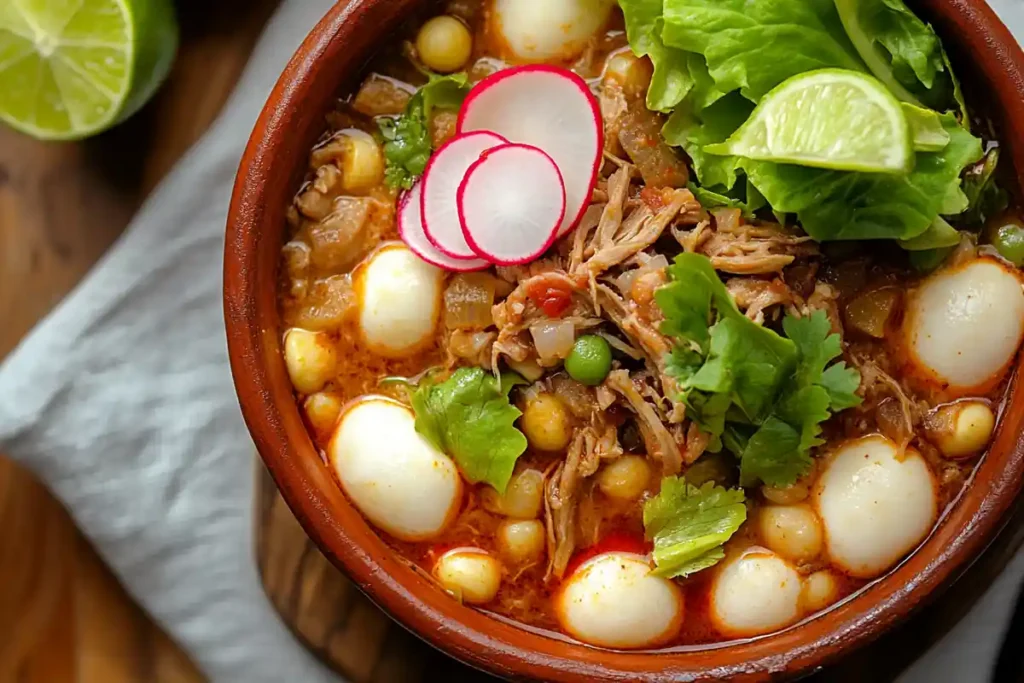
x: 72, y: 68
x: 830, y: 118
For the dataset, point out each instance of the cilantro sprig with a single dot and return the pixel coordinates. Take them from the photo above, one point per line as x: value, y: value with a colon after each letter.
x: 690, y: 524
x: 469, y: 417
x: 760, y: 395
x: 407, y: 145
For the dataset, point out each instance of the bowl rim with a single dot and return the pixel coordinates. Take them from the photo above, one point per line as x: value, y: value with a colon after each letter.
x: 276, y: 154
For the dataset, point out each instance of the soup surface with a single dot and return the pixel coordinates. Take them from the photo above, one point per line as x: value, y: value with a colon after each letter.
x: 692, y: 368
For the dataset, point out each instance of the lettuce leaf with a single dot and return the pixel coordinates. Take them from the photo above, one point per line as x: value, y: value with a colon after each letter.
x: 754, y: 46
x: 692, y: 127
x: 407, y: 142
x: 838, y: 205
x: 671, y: 80
x: 469, y: 417
x: 689, y: 525
x: 901, y: 50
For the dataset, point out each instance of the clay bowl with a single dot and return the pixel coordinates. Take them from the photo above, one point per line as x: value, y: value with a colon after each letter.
x: 987, y: 58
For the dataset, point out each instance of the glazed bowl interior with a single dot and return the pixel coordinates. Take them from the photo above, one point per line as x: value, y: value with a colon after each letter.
x: 990, y: 63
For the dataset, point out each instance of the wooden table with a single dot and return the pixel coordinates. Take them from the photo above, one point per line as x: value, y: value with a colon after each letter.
x: 63, y: 616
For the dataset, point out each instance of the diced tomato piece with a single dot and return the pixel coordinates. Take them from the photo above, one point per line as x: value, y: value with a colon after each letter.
x: 551, y: 297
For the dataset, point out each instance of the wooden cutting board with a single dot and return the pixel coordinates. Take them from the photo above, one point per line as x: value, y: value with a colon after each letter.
x: 349, y: 633
x: 63, y: 616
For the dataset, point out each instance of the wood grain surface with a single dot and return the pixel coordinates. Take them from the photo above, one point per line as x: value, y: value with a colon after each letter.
x: 64, y: 618
x: 63, y: 615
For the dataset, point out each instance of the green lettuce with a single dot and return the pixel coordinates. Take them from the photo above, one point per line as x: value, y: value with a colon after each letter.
x: 671, y: 80
x: 839, y: 205
x: 901, y: 50
x: 470, y: 418
x: 754, y: 46
x: 692, y: 127
x: 689, y: 525
x: 407, y: 142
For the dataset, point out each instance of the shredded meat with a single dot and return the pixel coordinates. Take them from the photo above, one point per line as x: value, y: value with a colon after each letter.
x: 659, y: 443
x: 896, y: 413
x: 755, y: 296
x: 590, y: 445
x: 741, y: 248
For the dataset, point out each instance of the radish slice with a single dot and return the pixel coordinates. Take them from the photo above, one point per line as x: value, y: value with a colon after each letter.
x: 441, y: 181
x: 511, y: 204
x: 410, y: 228
x: 550, y: 108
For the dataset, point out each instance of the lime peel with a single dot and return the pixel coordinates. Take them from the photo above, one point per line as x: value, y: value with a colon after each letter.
x: 72, y: 70
x: 830, y: 118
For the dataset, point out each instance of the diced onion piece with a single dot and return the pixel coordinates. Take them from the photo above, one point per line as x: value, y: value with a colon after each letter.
x: 727, y: 220
x: 871, y: 311
x: 553, y: 339
x: 468, y: 301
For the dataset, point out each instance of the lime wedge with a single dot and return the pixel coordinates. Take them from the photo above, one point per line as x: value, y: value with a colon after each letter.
x: 72, y: 68
x: 831, y: 118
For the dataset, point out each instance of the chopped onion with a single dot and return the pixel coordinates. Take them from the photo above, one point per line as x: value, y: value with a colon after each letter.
x: 727, y: 220
x: 553, y: 339
x: 870, y: 312
x: 625, y: 281
x: 468, y: 301
x: 578, y: 398
x: 528, y: 369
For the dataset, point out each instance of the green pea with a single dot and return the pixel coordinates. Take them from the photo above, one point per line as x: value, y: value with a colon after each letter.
x: 1009, y: 242
x: 590, y: 360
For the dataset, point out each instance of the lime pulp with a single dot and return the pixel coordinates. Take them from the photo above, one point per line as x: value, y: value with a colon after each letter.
x: 830, y: 118
x: 73, y: 68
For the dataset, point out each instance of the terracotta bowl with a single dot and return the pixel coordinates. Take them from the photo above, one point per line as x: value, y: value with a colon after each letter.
x: 989, y: 61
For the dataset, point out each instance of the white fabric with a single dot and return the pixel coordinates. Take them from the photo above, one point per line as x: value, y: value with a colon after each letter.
x: 122, y: 402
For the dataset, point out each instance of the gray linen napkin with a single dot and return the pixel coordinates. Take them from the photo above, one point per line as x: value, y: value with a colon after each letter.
x: 121, y: 400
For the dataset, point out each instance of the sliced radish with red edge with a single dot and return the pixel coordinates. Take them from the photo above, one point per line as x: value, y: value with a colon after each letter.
x: 511, y: 204
x: 410, y: 229
x: 441, y: 181
x: 550, y: 108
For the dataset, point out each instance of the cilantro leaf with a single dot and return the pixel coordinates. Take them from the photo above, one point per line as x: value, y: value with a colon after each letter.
x: 689, y: 525
x: 772, y: 455
x: 761, y: 395
x: 779, y: 452
x: 841, y: 382
x: 407, y: 141
x: 744, y: 364
x: 470, y: 418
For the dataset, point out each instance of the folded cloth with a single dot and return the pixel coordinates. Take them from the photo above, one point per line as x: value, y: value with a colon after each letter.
x: 121, y: 400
